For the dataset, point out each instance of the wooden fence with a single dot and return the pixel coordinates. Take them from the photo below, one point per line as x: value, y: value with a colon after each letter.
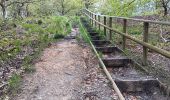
x: 95, y: 20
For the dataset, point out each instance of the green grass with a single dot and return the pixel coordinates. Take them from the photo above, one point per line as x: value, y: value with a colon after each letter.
x: 100, y: 54
x: 83, y: 32
x: 36, y: 36
x: 14, y: 83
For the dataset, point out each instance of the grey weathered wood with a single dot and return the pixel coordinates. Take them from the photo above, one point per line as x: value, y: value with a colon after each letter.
x: 124, y: 31
x: 145, y: 39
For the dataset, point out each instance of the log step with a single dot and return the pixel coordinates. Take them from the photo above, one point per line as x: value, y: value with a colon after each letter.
x: 100, y: 42
x: 109, y: 49
x: 137, y: 85
x: 97, y: 37
x: 116, y: 62
x: 93, y: 33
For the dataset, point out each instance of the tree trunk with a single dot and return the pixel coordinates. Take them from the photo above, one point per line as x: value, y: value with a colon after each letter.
x: 87, y: 5
x: 165, y: 6
x: 3, y: 11
x: 27, y: 10
x: 165, y: 11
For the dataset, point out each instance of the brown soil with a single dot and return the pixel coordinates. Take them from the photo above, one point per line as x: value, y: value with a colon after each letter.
x: 66, y: 71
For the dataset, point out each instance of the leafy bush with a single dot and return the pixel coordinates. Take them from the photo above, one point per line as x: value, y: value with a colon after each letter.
x: 40, y: 22
x: 58, y: 36
x: 135, y: 30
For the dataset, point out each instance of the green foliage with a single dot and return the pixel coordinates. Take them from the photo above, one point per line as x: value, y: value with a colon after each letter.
x: 74, y: 20
x: 31, y: 35
x: 128, y: 7
x: 118, y: 8
x: 134, y: 31
x: 33, y: 28
x: 83, y: 32
x: 60, y: 25
x: 100, y: 54
x: 14, y: 82
x: 58, y: 36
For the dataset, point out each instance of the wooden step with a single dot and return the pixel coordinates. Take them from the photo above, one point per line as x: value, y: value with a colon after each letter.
x: 93, y: 34
x: 97, y: 37
x: 99, y: 43
x: 137, y: 85
x: 90, y: 30
x: 116, y: 62
x: 109, y: 49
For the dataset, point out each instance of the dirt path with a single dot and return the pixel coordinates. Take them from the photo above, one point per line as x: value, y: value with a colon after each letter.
x: 66, y: 71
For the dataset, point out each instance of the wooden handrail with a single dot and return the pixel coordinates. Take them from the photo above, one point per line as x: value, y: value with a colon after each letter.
x: 145, y: 44
x: 120, y: 95
x: 134, y: 19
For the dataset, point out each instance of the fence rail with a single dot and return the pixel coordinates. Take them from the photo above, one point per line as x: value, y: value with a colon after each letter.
x: 93, y: 19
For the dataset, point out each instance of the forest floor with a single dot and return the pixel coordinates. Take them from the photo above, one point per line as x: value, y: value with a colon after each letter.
x: 66, y: 71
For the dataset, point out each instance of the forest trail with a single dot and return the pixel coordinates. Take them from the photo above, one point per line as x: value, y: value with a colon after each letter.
x: 63, y: 74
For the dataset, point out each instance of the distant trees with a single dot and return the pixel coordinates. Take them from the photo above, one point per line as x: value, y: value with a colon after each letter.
x: 24, y: 8
x: 19, y: 4
x: 88, y: 3
x: 165, y: 5
x: 119, y: 7
x: 64, y: 7
x: 130, y: 7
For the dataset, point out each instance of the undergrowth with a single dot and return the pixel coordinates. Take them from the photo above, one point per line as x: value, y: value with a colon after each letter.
x: 14, y: 83
x: 83, y: 32
x: 25, y: 40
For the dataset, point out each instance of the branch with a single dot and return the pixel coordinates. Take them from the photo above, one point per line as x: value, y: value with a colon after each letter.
x: 23, y: 2
x: 161, y: 35
x: 126, y: 6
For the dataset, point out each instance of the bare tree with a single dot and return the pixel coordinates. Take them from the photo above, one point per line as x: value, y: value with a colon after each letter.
x: 64, y: 6
x: 164, y: 5
x: 4, y: 4
x: 88, y: 3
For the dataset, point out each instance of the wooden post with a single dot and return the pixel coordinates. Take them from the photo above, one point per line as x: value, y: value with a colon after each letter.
x: 105, y: 24
x: 92, y: 20
x: 95, y: 21
x: 110, y: 25
x: 124, y: 31
x: 99, y: 21
x: 145, y: 39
